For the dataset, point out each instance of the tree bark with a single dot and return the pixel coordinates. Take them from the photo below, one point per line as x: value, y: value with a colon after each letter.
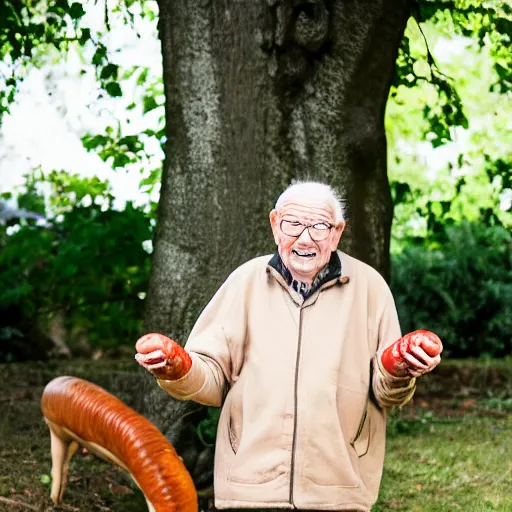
x: 259, y: 92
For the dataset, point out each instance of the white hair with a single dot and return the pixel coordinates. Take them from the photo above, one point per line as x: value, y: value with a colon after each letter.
x: 308, y: 190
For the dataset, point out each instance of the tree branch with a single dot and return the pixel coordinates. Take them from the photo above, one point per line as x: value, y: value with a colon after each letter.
x: 14, y: 503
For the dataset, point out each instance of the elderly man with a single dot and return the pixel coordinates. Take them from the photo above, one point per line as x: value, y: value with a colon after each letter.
x: 290, y: 348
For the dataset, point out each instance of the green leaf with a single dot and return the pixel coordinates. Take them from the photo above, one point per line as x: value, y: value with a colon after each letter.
x: 114, y: 89
x: 110, y: 71
x: 141, y: 79
x: 121, y: 160
x: 99, y: 55
x: 76, y: 11
x: 85, y: 35
x: 504, y: 26
x: 149, y: 103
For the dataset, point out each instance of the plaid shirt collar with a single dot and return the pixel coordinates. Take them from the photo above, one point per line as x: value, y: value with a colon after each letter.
x: 331, y: 271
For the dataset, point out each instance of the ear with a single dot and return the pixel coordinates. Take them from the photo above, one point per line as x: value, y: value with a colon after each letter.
x: 275, y: 226
x: 336, y: 236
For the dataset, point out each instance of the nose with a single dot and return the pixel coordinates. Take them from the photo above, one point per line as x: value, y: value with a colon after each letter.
x: 305, y: 236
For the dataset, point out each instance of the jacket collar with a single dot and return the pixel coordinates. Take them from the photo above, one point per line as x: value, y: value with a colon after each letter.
x: 328, y: 276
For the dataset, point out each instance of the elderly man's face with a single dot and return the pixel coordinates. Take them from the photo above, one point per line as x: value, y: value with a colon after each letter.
x: 303, y: 256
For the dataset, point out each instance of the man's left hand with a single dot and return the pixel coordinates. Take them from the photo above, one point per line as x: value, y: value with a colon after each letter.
x: 418, y: 361
x: 414, y: 354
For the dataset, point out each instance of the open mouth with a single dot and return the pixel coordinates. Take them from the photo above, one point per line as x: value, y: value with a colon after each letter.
x: 304, y: 254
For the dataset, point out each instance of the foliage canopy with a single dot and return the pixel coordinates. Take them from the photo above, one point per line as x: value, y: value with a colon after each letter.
x: 86, y: 270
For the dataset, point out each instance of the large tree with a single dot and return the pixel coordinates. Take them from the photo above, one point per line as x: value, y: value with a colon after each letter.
x: 257, y: 94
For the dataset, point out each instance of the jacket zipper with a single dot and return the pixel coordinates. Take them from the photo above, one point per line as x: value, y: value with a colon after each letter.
x: 294, y: 442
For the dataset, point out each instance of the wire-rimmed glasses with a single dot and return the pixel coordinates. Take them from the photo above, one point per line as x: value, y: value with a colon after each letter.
x: 318, y: 231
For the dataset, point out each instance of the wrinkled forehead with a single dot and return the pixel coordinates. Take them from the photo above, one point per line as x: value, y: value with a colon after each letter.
x: 307, y: 209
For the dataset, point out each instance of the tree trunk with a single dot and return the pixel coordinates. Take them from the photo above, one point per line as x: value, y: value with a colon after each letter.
x: 260, y: 92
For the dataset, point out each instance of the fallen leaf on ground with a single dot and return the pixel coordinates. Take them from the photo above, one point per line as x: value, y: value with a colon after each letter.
x: 468, y: 404
x: 119, y: 489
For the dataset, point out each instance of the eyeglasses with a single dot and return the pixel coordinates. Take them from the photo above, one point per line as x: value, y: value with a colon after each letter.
x: 318, y: 232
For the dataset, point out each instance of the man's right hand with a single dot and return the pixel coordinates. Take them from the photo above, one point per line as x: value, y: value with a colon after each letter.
x: 162, y: 356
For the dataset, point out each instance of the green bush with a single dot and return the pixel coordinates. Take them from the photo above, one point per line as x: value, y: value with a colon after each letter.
x: 460, y: 287
x: 85, y: 277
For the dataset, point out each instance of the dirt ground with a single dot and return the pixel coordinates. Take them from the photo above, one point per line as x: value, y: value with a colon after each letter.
x: 456, y: 389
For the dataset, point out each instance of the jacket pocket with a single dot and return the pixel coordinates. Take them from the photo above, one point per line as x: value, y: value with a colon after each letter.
x: 232, y: 415
x: 327, y: 462
x: 361, y: 441
x: 329, y: 459
x: 360, y: 427
x: 233, y: 441
x: 248, y: 452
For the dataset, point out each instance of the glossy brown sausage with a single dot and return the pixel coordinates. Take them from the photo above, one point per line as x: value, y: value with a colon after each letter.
x: 392, y: 358
x: 92, y: 414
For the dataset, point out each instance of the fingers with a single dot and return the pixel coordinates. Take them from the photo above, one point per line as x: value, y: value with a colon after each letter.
x: 418, y: 373
x: 432, y: 345
x: 427, y: 340
x: 153, y: 342
x: 151, y: 358
x: 149, y: 343
x: 151, y: 366
x: 156, y: 362
x: 422, y: 358
x: 159, y: 370
x: 435, y: 361
x: 419, y: 361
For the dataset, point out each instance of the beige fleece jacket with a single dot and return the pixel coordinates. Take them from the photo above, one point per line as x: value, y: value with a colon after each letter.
x: 302, y: 390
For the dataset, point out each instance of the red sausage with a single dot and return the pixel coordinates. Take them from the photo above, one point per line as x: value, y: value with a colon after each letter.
x: 156, y: 349
x: 392, y: 358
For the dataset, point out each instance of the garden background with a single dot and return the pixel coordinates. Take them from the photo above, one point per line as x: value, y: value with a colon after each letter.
x: 77, y: 236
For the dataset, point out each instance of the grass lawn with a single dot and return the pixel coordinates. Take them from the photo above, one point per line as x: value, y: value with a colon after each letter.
x: 450, y: 463
x: 450, y: 449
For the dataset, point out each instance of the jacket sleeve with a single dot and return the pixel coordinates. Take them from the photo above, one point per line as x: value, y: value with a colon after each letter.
x: 220, y: 326
x: 388, y: 390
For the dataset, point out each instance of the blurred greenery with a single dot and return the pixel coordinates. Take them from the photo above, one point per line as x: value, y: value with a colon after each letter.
x: 471, y: 173
x: 33, y: 32
x: 451, y: 241
x: 76, y: 283
x: 460, y: 287
x: 79, y: 279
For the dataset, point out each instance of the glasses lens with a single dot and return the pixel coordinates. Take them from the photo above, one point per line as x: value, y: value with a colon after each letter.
x: 317, y: 232
x: 292, y: 228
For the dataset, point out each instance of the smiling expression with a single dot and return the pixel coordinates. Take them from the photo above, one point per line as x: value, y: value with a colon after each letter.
x: 304, y: 257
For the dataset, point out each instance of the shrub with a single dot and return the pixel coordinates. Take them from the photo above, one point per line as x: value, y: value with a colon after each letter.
x: 459, y: 287
x: 81, y: 280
